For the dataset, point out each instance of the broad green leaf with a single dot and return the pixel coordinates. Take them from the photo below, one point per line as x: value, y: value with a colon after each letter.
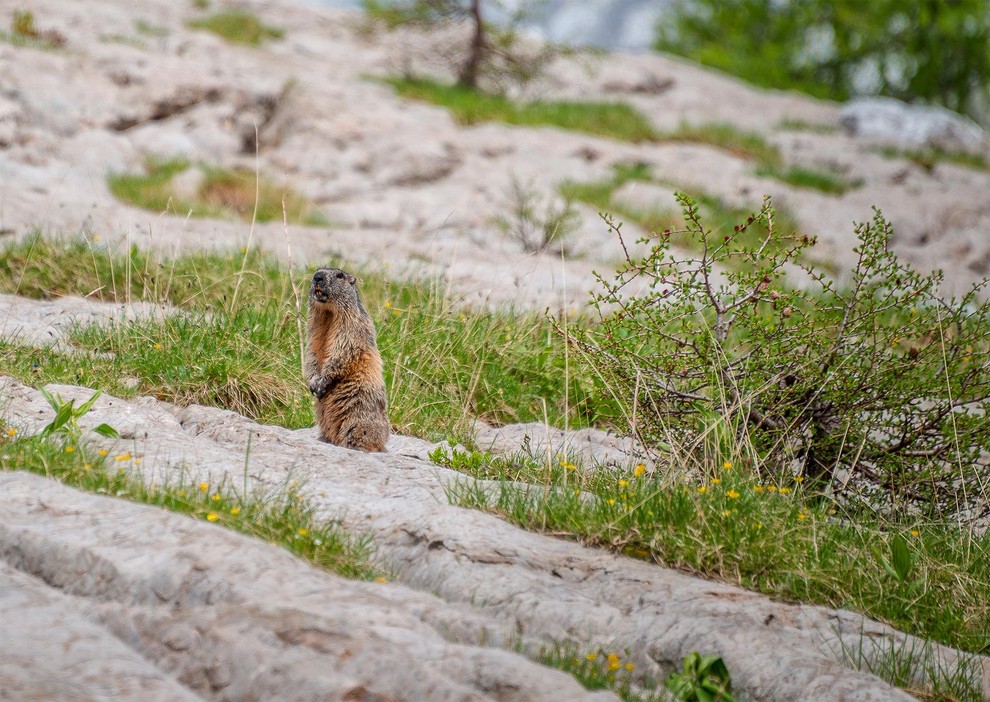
x: 107, y: 431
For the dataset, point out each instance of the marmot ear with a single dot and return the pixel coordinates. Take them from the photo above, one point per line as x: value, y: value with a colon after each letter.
x: 352, y: 280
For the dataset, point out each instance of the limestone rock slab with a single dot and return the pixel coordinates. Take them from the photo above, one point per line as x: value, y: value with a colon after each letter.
x: 505, y: 585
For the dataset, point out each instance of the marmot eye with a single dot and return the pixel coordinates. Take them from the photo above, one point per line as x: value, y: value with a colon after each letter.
x: 340, y: 275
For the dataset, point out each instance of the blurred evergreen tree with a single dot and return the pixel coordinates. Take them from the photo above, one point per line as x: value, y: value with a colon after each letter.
x: 933, y: 51
x: 494, y: 50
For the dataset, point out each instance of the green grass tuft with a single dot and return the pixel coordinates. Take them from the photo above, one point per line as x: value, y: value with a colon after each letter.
x: 804, y: 177
x: 800, y: 125
x: 929, y: 158
x: 728, y: 137
x: 768, y: 537
x: 614, y: 120
x: 282, y: 518
x: 238, y: 26
x: 23, y: 32
x: 238, y: 346
x: 609, y: 119
x: 222, y: 194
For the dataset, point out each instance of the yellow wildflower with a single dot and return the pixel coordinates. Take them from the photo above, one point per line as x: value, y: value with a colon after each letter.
x: 235, y: 510
x: 303, y: 532
x: 203, y: 487
x: 727, y: 465
x: 215, y: 497
x: 103, y: 452
x: 70, y: 449
x: 630, y: 666
x: 758, y: 488
x: 771, y: 488
x: 592, y: 656
x: 801, y: 515
x: 732, y: 494
x: 88, y: 466
x: 702, y: 489
x: 915, y: 532
x: 623, y: 483
x: 122, y: 457
x: 716, y: 481
x: 381, y: 580
x: 784, y: 490
x: 611, y: 501
x: 212, y: 516
x: 639, y: 470
x: 11, y: 432
x: 798, y: 478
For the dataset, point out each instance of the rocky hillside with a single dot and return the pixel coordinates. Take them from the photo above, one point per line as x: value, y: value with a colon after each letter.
x: 130, y: 125
x: 401, y: 184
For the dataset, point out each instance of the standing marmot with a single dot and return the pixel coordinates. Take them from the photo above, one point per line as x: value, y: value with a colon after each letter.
x: 343, y: 367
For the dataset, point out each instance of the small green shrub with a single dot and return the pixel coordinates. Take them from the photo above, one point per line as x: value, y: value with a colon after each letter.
x: 881, y: 379
x: 238, y: 26
x: 536, y: 229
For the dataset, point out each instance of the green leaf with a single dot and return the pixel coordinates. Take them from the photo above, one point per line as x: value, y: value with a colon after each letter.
x: 62, y: 415
x: 680, y: 686
x: 107, y: 431
x: 84, y: 408
x: 901, y: 556
x: 55, y: 401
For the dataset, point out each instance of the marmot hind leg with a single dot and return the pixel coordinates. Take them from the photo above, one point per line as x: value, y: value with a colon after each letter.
x: 366, y: 437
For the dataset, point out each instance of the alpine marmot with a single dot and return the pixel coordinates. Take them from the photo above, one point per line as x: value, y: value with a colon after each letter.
x: 343, y: 367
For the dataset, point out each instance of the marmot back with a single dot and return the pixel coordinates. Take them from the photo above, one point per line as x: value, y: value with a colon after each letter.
x: 343, y: 367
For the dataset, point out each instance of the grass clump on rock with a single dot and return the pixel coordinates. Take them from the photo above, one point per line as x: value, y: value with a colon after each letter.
x: 238, y: 26
x: 279, y: 518
x: 469, y: 106
x: 238, y: 327
x: 615, y: 120
x: 24, y: 32
x: 216, y: 192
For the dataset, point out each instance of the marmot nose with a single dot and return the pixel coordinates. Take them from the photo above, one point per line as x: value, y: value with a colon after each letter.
x: 319, y: 277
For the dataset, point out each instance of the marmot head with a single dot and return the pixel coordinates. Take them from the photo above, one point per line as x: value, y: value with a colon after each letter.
x: 332, y: 286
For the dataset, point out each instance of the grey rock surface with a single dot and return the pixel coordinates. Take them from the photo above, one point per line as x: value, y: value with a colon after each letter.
x: 143, y: 604
x: 912, y: 126
x: 48, y: 322
x: 592, y: 448
x: 501, y: 585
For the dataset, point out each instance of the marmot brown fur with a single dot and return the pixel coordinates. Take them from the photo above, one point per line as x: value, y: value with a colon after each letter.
x: 343, y: 367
